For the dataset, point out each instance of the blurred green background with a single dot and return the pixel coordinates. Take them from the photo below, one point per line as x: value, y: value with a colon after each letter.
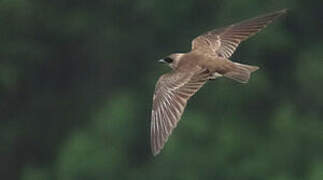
x: 77, y: 78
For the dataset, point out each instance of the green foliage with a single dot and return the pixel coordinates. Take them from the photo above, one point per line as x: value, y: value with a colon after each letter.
x: 77, y: 78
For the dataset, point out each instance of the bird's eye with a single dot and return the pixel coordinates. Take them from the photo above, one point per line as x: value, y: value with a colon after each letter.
x: 168, y: 59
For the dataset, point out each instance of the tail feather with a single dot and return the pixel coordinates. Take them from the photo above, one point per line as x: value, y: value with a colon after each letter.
x: 241, y: 72
x: 248, y: 67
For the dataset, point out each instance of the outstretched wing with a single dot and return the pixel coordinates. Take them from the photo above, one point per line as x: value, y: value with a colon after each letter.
x: 224, y: 41
x: 172, y: 92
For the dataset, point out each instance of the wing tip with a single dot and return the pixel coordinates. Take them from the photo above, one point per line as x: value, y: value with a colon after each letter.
x: 285, y: 10
x: 280, y: 12
x: 272, y: 15
x: 156, y: 148
x: 155, y: 152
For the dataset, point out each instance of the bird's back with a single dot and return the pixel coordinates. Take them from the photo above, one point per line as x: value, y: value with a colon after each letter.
x: 212, y: 63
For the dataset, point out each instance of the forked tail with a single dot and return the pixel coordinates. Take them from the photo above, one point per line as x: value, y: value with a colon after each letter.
x: 241, y: 72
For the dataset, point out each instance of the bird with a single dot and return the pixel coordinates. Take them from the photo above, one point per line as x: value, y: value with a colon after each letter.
x: 207, y: 60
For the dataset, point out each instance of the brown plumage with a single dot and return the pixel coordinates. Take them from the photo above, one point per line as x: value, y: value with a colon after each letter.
x: 207, y: 60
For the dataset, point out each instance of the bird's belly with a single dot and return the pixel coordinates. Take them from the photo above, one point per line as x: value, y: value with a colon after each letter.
x: 219, y: 66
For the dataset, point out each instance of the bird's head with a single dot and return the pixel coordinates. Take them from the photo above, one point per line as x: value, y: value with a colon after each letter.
x: 172, y: 60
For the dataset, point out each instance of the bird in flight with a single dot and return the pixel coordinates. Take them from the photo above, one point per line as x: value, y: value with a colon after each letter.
x: 207, y: 60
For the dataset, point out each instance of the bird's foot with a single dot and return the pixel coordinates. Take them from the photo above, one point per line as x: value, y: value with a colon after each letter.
x: 214, y: 76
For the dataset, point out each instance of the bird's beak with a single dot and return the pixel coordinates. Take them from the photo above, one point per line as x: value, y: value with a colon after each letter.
x: 161, y: 61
